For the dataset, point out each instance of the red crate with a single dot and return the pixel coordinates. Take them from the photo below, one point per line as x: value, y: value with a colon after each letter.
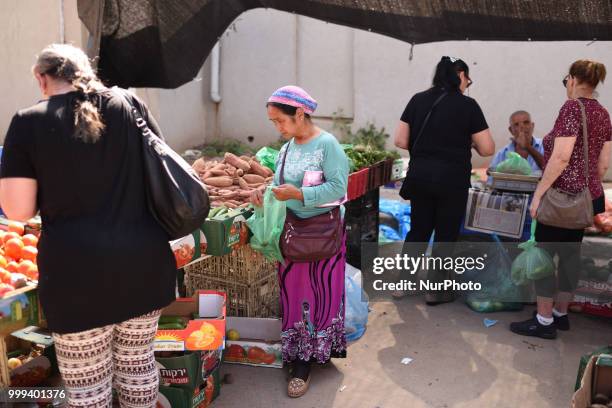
x: 357, y: 184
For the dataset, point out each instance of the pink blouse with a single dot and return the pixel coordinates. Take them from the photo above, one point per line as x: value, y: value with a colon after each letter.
x: 568, y: 124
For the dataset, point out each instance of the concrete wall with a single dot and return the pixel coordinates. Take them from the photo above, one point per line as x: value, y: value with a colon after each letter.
x: 371, y: 77
x: 367, y: 77
x: 27, y: 27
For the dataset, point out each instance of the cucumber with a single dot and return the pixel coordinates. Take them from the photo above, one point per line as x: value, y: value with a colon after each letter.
x: 172, y: 319
x: 170, y: 326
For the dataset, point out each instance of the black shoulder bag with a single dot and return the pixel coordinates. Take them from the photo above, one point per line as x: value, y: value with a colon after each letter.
x: 175, y: 195
x: 405, y: 190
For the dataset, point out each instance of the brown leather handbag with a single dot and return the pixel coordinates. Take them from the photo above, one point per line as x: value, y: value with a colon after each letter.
x: 310, y: 239
x: 567, y: 210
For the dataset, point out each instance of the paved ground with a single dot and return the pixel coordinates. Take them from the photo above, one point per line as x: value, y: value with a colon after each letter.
x: 458, y: 363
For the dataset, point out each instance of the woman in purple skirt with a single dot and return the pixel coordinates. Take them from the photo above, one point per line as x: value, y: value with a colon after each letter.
x: 312, y: 293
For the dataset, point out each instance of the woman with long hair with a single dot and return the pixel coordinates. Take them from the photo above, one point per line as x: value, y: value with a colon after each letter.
x: 106, y: 268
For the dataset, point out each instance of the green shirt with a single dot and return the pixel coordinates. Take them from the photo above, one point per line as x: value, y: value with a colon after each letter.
x: 322, y: 153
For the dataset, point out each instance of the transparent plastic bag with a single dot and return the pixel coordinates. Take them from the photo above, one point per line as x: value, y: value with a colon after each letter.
x: 356, y: 314
x: 498, y: 292
x: 533, y: 263
x: 267, y: 226
x: 514, y: 164
x: 267, y: 156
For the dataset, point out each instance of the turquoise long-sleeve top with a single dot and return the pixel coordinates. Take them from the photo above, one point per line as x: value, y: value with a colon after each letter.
x: 322, y: 153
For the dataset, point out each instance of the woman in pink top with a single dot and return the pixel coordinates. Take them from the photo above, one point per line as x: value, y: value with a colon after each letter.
x: 565, y: 167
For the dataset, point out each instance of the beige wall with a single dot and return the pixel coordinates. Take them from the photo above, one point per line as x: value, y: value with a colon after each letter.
x: 368, y: 76
x: 28, y: 26
x: 371, y: 77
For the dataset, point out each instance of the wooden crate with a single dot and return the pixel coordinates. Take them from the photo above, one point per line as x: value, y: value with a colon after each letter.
x: 249, y: 280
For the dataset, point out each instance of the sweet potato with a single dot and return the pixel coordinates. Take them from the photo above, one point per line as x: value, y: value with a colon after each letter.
x: 253, y: 179
x: 260, y: 170
x: 237, y: 162
x: 217, y: 173
x: 245, y: 193
x: 243, y: 184
x: 223, y: 181
x: 199, y: 166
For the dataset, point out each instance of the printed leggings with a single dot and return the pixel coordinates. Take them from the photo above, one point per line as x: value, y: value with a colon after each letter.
x: 121, y: 355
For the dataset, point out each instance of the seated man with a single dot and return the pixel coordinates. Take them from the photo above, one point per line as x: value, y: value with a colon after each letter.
x: 522, y: 142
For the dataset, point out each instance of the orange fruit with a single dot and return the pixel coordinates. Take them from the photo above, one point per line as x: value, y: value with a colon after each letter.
x: 2, y: 234
x: 13, y: 248
x: 30, y: 240
x: 12, y: 266
x: 3, y: 261
x: 29, y: 253
x: 10, y: 235
x: 17, y: 227
x: 5, y: 276
x: 26, y: 267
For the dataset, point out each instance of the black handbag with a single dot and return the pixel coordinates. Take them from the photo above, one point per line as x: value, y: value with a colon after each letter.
x: 406, y: 185
x: 176, y: 197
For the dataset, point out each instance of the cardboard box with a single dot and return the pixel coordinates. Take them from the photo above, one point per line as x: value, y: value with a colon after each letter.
x: 259, y: 344
x: 602, y: 377
x: 199, y: 397
x: 222, y: 235
x: 596, y: 379
x: 594, y: 297
x: 189, y: 249
x: 204, y: 332
x: 19, y: 309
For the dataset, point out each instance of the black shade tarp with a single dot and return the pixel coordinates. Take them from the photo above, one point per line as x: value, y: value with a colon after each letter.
x: 163, y: 43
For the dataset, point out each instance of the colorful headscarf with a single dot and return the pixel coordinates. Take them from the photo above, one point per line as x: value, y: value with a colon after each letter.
x: 294, y: 96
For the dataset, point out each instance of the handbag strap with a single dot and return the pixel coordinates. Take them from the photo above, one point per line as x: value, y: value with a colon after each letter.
x: 585, y: 142
x: 437, y: 101
x: 282, y: 172
x: 141, y: 122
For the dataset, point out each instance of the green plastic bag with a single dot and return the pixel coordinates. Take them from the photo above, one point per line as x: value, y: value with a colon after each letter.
x: 533, y: 263
x: 514, y: 164
x: 267, y: 226
x: 267, y: 157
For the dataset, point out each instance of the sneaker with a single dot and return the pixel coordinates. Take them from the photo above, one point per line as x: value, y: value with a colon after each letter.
x: 532, y: 327
x: 562, y: 322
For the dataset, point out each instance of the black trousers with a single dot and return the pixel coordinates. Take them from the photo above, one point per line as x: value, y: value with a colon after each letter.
x: 567, y: 245
x: 434, y: 209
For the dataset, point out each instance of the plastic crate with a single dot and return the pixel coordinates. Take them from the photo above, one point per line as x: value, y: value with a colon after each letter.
x: 360, y: 229
x: 357, y: 183
x: 249, y: 280
x: 375, y: 177
x: 367, y: 202
x: 387, y: 171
